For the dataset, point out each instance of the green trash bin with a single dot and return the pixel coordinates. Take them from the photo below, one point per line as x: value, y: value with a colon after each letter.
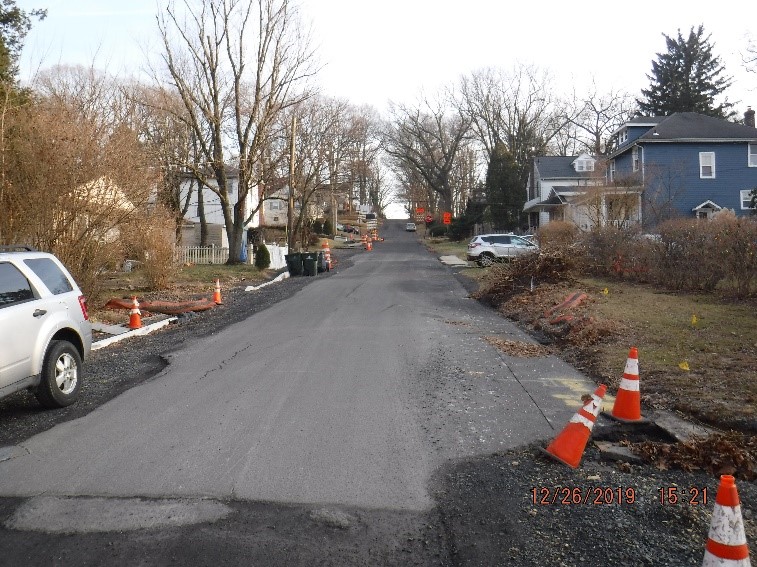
x: 310, y: 263
x: 321, y: 262
x: 294, y: 263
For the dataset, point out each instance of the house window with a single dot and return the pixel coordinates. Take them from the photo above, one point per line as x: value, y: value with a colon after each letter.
x: 635, y: 158
x: 611, y: 171
x: 707, y: 165
x: 275, y: 205
x: 746, y: 199
x: 623, y: 136
x: 752, y: 155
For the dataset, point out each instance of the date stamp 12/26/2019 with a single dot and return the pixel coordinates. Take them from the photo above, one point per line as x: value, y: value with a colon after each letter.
x: 618, y: 495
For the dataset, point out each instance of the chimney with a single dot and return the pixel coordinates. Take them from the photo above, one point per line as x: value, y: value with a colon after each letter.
x: 749, y: 117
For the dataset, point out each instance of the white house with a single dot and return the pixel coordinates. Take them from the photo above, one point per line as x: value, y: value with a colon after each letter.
x: 569, y: 188
x: 213, y: 212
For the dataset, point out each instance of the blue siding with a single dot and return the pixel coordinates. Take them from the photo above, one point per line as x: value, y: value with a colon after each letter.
x: 675, y: 168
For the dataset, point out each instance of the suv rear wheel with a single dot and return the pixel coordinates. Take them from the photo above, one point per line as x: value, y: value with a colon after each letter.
x: 60, y: 382
x: 485, y: 259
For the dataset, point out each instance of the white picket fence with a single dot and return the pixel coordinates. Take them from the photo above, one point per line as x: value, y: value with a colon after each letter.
x: 200, y: 255
x: 218, y: 255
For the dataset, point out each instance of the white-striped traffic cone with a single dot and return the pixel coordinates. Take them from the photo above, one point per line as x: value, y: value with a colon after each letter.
x: 568, y: 447
x: 627, y: 407
x: 726, y: 542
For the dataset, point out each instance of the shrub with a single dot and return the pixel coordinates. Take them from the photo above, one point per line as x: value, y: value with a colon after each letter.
x: 317, y: 227
x: 437, y: 230
x: 262, y: 257
x: 611, y: 251
x: 735, y: 246
x: 155, y: 243
x: 328, y: 228
x: 557, y: 235
x: 687, y: 256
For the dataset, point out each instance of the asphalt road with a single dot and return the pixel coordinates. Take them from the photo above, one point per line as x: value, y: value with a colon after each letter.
x: 309, y: 433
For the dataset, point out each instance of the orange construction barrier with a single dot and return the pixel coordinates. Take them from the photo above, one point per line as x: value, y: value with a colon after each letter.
x: 568, y: 447
x: 135, y: 317
x: 217, y: 293
x: 726, y: 542
x: 627, y: 406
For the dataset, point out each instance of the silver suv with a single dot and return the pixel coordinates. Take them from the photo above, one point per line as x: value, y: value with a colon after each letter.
x: 489, y: 248
x: 45, y: 332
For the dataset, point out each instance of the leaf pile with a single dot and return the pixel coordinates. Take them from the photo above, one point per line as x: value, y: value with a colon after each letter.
x: 719, y: 453
x: 505, y: 280
x: 516, y: 348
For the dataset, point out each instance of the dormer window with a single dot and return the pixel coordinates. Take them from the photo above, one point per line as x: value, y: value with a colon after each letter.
x: 585, y: 164
x: 623, y: 136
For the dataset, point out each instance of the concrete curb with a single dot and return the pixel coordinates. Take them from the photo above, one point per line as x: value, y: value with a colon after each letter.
x: 278, y: 278
x: 453, y: 261
x: 133, y: 333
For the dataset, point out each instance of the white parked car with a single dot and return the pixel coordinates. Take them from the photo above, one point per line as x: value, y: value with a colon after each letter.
x: 410, y: 227
x: 45, y: 333
x: 485, y: 249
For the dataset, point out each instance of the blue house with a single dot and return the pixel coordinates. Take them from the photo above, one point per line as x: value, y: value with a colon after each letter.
x: 686, y: 164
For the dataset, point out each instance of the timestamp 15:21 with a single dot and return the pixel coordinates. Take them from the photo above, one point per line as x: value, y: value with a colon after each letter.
x: 690, y: 495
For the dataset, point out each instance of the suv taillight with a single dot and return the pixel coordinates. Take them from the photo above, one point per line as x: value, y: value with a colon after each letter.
x: 83, y: 305
x: 472, y: 245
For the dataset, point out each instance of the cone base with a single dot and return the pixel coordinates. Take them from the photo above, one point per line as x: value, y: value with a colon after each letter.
x: 556, y: 458
x: 642, y: 419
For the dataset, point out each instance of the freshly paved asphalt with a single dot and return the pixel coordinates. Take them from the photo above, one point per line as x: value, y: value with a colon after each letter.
x: 352, y: 393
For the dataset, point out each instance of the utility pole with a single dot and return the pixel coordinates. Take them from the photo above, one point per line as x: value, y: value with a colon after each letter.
x: 290, y: 203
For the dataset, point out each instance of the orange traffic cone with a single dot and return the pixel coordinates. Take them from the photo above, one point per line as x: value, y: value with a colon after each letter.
x: 135, y: 317
x: 568, y: 447
x: 627, y: 406
x: 726, y: 542
x: 368, y: 246
x: 217, y: 294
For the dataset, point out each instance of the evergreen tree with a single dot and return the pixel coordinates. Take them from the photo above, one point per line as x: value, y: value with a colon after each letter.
x: 505, y: 192
x: 262, y: 257
x: 688, y: 78
x: 15, y: 23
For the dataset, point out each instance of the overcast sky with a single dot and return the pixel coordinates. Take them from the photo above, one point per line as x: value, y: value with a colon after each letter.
x: 375, y: 51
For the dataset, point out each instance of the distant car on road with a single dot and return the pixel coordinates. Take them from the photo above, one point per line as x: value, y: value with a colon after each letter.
x: 485, y: 249
x: 410, y: 227
x: 45, y: 333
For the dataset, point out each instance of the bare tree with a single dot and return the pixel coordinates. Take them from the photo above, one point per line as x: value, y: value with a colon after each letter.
x: 590, y: 120
x: 514, y: 107
x: 663, y: 187
x: 232, y: 99
x: 161, y: 120
x: 424, y: 141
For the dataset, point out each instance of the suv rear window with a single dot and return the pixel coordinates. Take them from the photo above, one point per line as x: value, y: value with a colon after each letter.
x: 49, y: 272
x: 14, y: 287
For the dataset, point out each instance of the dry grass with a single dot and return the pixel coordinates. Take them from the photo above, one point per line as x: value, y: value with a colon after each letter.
x: 716, y: 339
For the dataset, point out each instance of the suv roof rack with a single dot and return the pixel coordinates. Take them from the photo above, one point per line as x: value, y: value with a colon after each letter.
x: 17, y: 248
